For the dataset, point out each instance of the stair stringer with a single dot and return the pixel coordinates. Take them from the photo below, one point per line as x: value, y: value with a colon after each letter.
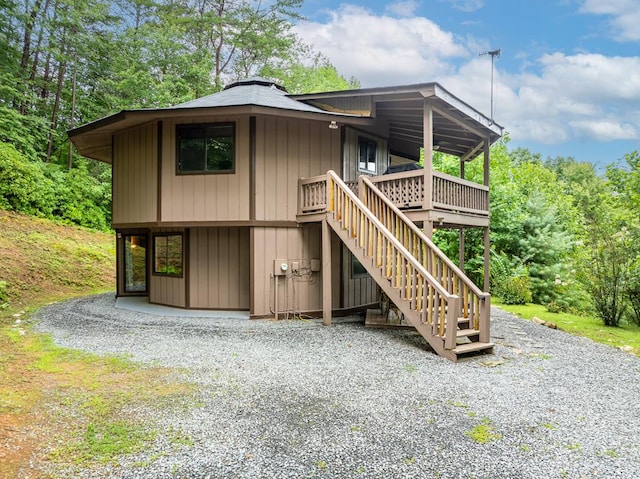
x: 394, y: 294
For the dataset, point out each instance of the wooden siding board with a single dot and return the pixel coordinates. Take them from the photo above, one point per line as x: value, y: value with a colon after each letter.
x: 220, y: 268
x: 135, y: 175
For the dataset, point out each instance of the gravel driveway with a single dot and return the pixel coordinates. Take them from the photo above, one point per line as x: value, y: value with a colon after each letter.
x: 296, y: 399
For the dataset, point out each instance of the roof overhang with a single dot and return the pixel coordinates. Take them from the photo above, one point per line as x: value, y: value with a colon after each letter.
x: 94, y: 140
x: 458, y: 129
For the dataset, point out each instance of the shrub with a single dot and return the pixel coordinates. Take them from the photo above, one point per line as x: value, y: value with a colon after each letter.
x: 515, y: 290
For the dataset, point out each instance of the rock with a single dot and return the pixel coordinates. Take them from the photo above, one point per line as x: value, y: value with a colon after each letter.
x: 537, y: 320
x: 626, y: 348
x: 551, y: 325
x: 492, y: 364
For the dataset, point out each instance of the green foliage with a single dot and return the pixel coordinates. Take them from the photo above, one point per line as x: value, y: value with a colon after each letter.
x: 48, y: 191
x: 320, y: 75
x: 23, y: 185
x: 510, y: 280
x: 633, y: 290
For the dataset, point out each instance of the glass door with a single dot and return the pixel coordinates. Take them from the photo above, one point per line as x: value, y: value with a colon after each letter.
x: 135, y: 263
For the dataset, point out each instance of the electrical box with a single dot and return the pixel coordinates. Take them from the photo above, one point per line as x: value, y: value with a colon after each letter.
x: 295, y: 266
x: 280, y: 267
x: 315, y: 265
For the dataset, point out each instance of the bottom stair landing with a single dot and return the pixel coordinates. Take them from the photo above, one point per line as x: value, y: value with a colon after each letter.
x: 466, y: 338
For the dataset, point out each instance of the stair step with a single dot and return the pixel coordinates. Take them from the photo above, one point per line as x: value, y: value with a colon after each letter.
x: 471, y: 348
x: 463, y: 333
x: 464, y: 322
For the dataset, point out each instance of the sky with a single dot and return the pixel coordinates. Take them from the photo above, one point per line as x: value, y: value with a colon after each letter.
x: 566, y: 83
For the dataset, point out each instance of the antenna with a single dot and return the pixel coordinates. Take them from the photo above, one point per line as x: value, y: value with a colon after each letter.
x: 493, y: 54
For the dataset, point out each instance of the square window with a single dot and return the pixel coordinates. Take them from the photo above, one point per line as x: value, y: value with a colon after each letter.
x: 206, y: 148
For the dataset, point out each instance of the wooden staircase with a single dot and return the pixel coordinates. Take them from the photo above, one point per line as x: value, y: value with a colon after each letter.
x: 436, y: 298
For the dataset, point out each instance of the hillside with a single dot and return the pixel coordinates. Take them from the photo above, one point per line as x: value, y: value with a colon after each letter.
x: 43, y: 260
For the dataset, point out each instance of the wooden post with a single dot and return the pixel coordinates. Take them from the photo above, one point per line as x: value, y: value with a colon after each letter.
x: 485, y: 314
x: 326, y: 273
x: 453, y: 312
x: 427, y: 201
x: 461, y: 241
x: 487, y: 258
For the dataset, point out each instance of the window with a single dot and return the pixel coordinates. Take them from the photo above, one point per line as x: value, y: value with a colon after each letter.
x: 357, y: 268
x: 206, y: 148
x: 167, y: 254
x: 367, y: 154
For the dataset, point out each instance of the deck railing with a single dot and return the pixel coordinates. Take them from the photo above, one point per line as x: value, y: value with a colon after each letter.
x: 451, y: 193
x: 313, y: 194
x: 426, y: 296
x: 406, y: 191
x: 474, y: 303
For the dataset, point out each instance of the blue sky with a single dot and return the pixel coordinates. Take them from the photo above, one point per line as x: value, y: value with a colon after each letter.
x: 567, y: 81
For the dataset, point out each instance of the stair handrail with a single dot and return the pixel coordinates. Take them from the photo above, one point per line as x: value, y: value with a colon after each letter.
x: 445, y: 324
x: 475, y: 304
x: 430, y: 244
x: 388, y: 234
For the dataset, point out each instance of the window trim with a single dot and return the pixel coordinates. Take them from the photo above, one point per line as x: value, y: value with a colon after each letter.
x: 154, y: 271
x: 232, y: 171
x: 369, y: 142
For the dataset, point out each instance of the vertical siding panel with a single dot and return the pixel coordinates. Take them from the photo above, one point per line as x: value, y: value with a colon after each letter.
x: 135, y: 175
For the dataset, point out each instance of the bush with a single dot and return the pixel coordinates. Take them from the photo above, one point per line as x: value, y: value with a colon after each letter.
x: 50, y: 191
x: 515, y: 290
x: 510, y: 280
x: 23, y: 185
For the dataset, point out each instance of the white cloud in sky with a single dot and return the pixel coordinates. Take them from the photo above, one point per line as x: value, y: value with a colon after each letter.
x: 376, y: 49
x: 583, y: 96
x: 466, y: 5
x: 624, y: 17
x: 405, y: 8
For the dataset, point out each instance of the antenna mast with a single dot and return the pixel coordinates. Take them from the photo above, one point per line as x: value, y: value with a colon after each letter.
x: 493, y: 54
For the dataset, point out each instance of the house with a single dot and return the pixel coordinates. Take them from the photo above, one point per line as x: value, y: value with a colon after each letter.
x: 253, y: 199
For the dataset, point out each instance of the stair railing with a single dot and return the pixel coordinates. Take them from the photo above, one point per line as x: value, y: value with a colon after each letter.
x: 474, y: 303
x: 425, y: 295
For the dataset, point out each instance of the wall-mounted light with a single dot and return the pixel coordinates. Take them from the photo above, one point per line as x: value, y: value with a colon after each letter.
x: 333, y: 125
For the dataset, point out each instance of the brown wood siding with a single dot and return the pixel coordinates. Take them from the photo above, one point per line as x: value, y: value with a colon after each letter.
x: 135, y: 174
x: 350, y: 170
x: 288, y: 149
x: 359, y: 290
x: 206, y: 197
x: 300, y: 293
x: 219, y: 268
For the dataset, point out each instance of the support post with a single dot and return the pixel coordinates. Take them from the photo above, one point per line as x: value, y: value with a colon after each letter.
x: 487, y: 258
x: 427, y: 201
x: 485, y: 321
x: 326, y: 273
x: 461, y: 241
x: 453, y: 313
x: 428, y: 228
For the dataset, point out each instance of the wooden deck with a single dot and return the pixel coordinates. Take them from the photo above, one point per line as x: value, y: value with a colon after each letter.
x: 451, y: 201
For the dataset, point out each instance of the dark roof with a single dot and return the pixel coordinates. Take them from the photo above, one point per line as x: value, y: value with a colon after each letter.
x: 252, y: 91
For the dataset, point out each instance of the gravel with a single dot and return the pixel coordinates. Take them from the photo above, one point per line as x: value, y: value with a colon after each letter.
x: 293, y: 399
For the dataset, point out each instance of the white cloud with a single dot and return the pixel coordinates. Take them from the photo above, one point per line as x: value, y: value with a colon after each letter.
x: 382, y: 50
x: 624, y: 17
x: 466, y: 5
x: 580, y: 97
x: 405, y: 8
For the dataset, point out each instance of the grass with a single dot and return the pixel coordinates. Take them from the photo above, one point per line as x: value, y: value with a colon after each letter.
x: 61, y: 408
x: 626, y: 335
x: 483, y: 433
